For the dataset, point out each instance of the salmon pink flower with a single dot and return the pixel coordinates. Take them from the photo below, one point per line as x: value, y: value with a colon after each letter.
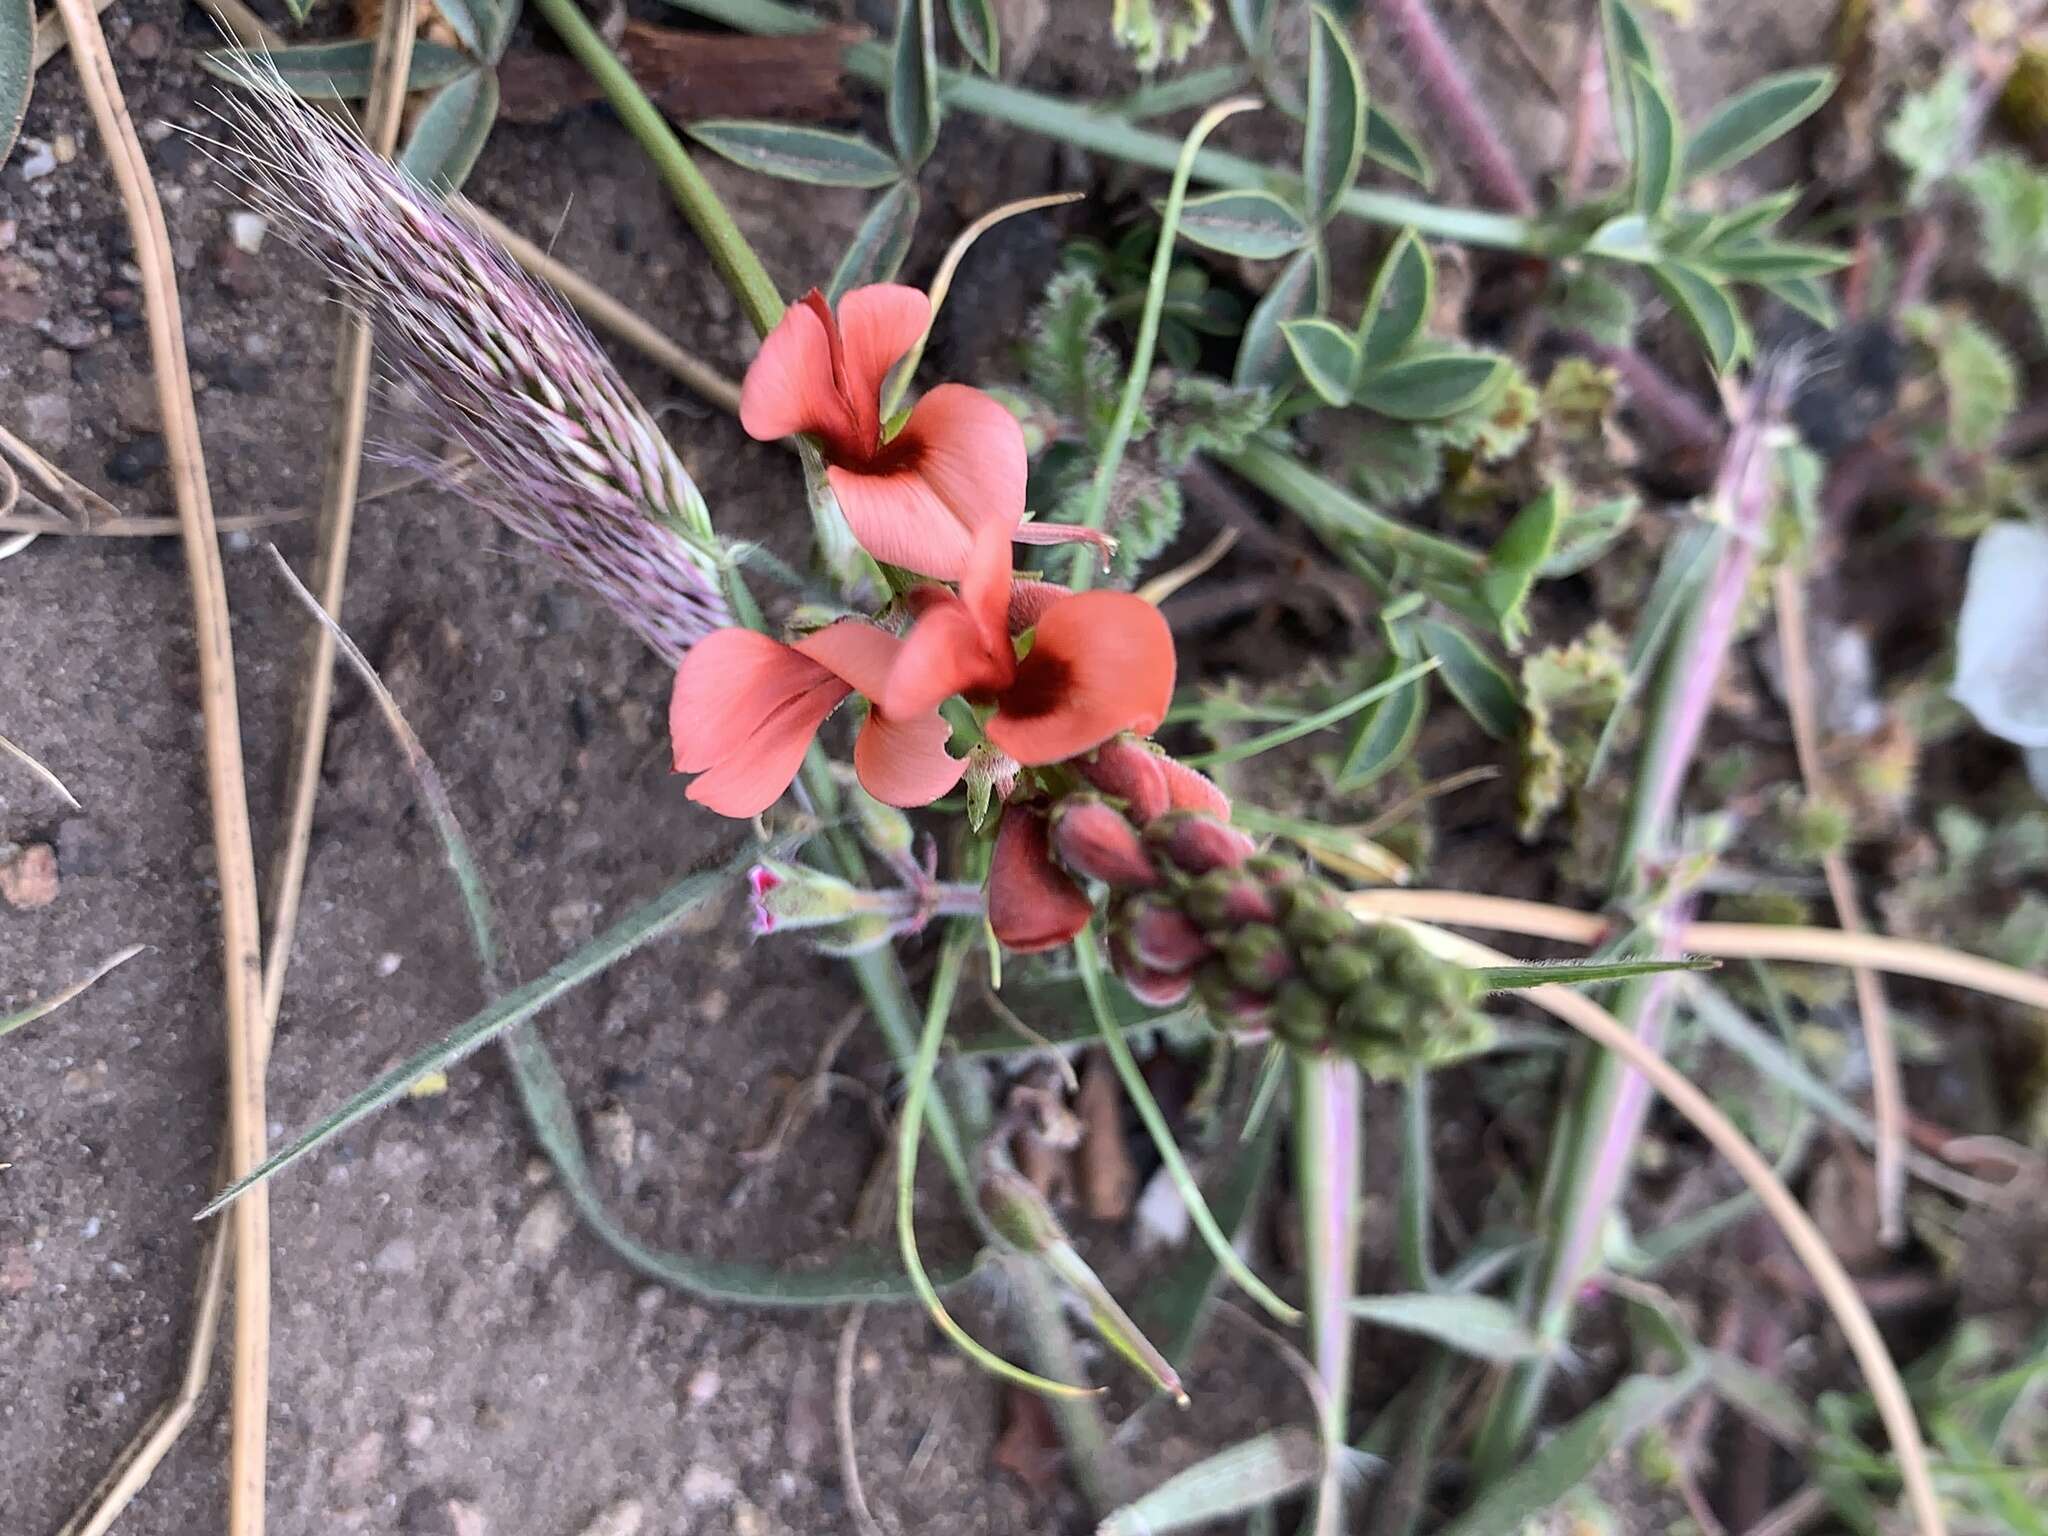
x: 1099, y: 663
x: 746, y: 707
x: 915, y: 499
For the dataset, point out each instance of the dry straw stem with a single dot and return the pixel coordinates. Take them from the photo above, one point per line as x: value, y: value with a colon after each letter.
x: 392, y: 65
x: 1804, y: 1238
x: 242, y: 958
x: 1887, y: 1093
x: 842, y: 1422
x: 44, y: 1007
x: 1724, y: 941
x: 49, y: 779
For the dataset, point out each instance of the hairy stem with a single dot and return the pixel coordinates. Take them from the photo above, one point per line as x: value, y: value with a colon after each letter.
x: 1329, y: 1172
x: 1442, y: 80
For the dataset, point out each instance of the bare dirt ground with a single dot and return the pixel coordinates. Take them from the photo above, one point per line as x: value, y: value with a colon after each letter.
x: 443, y: 1332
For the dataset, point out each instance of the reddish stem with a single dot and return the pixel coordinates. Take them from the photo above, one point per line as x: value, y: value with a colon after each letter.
x: 1448, y: 90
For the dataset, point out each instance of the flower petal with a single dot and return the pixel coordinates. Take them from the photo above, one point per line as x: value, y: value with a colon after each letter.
x: 725, y: 690
x: 856, y: 652
x: 941, y: 656
x: 878, y: 324
x: 970, y: 450
x: 790, y: 386
x: 985, y: 589
x: 899, y: 520
x: 754, y: 776
x: 905, y: 762
x: 1102, y: 663
x: 1032, y: 905
x: 1029, y: 599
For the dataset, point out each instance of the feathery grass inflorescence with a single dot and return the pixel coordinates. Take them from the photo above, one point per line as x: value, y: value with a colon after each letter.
x: 572, y: 463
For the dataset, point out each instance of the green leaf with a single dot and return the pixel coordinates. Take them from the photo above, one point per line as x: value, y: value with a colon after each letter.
x: 1428, y: 386
x: 1582, y: 973
x: 1253, y: 22
x: 467, y: 20
x: 1263, y: 357
x: 1474, y: 678
x: 1386, y: 734
x: 1474, y: 1325
x: 1586, y: 533
x: 1326, y: 355
x: 914, y: 85
x: 1171, y: 1306
x: 1658, y: 142
x: 1239, y: 1478
x: 2012, y: 216
x: 44, y: 1007
x: 1979, y: 380
x: 1398, y: 307
x: 1931, y: 133
x: 1755, y: 218
x: 1389, y: 143
x: 1255, y: 225
x: 1515, y: 561
x: 1707, y: 308
x: 1568, y: 1458
x: 1754, y: 117
x: 1804, y: 294
x: 878, y: 247
x: 638, y: 927
x: 17, y: 68
x: 334, y: 71
x: 1758, y: 259
x: 817, y: 156
x: 1762, y: 1399
x: 1625, y: 237
x: 1308, y: 725
x: 852, y: 1278
x: 978, y: 32
x: 1334, y: 135
x: 450, y: 131
x: 1627, y: 46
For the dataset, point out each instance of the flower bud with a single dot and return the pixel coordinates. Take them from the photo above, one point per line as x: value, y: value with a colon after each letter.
x: 1342, y: 969
x: 1152, y: 987
x: 1094, y: 840
x: 796, y: 896
x: 1162, y: 936
x: 1257, y: 958
x: 1126, y: 769
x: 883, y: 828
x: 1315, y: 920
x: 1188, y: 790
x: 1018, y: 1212
x: 1302, y: 1016
x: 1197, y: 844
x: 1032, y: 905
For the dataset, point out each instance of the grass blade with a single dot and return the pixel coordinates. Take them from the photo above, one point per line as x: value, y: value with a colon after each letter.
x: 43, y: 1007
x: 1309, y: 724
x: 1474, y: 1325
x: 1584, y: 973
x: 1240, y: 1477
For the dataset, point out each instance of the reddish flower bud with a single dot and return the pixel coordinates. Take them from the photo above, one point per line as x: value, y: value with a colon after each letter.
x: 1123, y: 767
x: 1094, y: 840
x: 1163, y: 936
x: 1032, y: 905
x: 1198, y: 843
x: 1187, y: 790
x: 1234, y: 1008
x: 1151, y: 985
x: 1223, y: 899
x: 1258, y: 958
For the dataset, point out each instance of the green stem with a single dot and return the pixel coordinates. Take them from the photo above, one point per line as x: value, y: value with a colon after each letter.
x: 1089, y: 960
x: 1095, y: 513
x: 730, y: 253
x: 1308, y: 725
x: 1329, y: 1173
x: 1105, y: 133
x: 1339, y: 518
x: 1418, y: 1271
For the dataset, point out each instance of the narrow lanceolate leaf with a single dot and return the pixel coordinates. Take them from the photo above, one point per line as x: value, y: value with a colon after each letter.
x: 1334, y: 140
x: 974, y: 24
x: 1253, y: 22
x: 1583, y: 973
x: 1428, y: 386
x: 1804, y: 294
x: 1752, y: 118
x: 796, y: 153
x: 1513, y: 563
x: 1473, y: 1325
x: 1327, y: 356
x: 44, y: 1007
x: 1263, y: 357
x: 1474, y: 678
x: 334, y: 71
x: 1386, y: 734
x: 1708, y: 308
x: 1237, y: 1479
x: 1754, y: 260
x: 1657, y: 140
x: 17, y: 68
x: 1389, y: 143
x: 878, y: 247
x: 515, y: 1007
x: 1626, y: 44
x: 914, y: 85
x: 450, y: 132
x: 1398, y: 306
x: 1255, y: 225
x: 1571, y: 1456
x: 467, y: 19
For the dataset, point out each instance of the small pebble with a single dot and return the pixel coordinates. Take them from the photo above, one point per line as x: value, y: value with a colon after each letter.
x: 65, y: 148
x: 359, y: 1465
x: 707, y: 1485
x: 542, y: 1229
x: 136, y: 460
x: 400, y: 1256
x: 389, y: 962
x: 419, y: 1429
x: 46, y: 420
x: 146, y: 41
x: 622, y: 1519
x: 17, y: 1273
x: 612, y: 1129
x: 29, y: 879
x: 247, y: 230
x: 704, y: 1386
x: 37, y: 160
